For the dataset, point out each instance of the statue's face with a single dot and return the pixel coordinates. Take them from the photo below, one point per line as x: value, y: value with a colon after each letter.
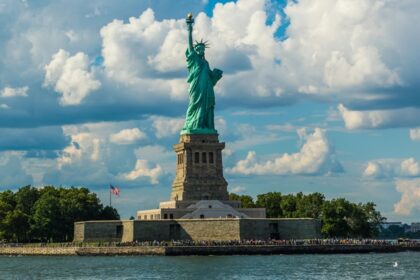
x: 200, y: 50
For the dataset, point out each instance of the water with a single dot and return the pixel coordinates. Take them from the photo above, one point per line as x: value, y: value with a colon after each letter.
x: 355, y: 266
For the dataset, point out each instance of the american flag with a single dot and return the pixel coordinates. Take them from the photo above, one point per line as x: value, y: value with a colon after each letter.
x: 114, y: 190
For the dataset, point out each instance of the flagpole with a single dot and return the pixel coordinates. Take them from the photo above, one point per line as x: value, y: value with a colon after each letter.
x: 110, y: 198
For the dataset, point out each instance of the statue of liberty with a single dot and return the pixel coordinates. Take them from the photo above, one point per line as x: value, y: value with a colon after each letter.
x: 200, y: 113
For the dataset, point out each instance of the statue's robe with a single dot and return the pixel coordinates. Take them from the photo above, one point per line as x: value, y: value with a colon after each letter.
x: 200, y: 113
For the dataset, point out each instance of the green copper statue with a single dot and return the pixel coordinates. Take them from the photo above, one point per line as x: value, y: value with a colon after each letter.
x: 200, y: 113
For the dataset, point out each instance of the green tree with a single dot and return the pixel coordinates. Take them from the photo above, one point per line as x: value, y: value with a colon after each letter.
x: 47, y: 220
x: 341, y: 218
x: 110, y: 213
x: 334, y: 218
x: 271, y: 201
x: 16, y: 224
x: 309, y: 206
x: 25, y: 200
x: 48, y: 213
x: 288, y: 205
x: 246, y: 200
x: 7, y: 205
x: 77, y: 204
x: 374, y: 217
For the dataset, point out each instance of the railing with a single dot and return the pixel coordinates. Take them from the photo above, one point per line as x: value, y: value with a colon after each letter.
x: 173, y: 243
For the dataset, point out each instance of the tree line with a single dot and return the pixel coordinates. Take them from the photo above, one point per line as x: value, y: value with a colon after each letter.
x: 48, y: 214
x: 339, y: 217
x: 398, y: 231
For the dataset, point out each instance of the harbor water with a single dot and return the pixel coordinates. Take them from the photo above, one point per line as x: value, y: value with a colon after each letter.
x: 404, y: 265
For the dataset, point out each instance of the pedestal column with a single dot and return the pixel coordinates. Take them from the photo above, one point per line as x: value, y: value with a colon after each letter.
x: 199, y: 168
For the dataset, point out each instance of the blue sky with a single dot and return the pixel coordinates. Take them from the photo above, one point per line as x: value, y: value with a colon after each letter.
x: 316, y: 96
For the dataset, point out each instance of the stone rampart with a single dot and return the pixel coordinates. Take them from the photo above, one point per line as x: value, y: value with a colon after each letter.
x: 205, y: 250
x: 196, y: 229
x: 97, y: 231
x: 38, y: 251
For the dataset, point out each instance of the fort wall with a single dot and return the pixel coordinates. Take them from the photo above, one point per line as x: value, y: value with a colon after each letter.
x: 196, y: 229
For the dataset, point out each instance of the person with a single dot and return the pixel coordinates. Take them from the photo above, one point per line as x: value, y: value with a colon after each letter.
x: 200, y: 113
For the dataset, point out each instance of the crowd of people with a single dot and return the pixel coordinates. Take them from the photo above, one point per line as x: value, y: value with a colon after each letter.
x: 180, y: 243
x: 289, y: 242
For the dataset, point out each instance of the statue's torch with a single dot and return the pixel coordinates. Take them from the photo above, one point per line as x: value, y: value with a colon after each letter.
x: 189, y: 19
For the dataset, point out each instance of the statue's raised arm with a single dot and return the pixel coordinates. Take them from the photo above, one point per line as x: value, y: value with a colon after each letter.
x: 200, y: 113
x: 190, y: 22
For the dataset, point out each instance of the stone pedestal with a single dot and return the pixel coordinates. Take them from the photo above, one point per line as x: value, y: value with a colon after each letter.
x: 199, y: 169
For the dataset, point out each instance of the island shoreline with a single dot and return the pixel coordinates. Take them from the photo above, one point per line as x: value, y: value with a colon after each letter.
x: 203, y: 250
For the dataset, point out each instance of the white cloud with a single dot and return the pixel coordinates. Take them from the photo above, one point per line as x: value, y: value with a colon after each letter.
x: 71, y: 77
x: 127, y: 136
x: 348, y: 49
x: 237, y: 189
x: 415, y: 134
x: 243, y: 131
x: 155, y: 153
x: 13, y: 92
x: 389, y: 168
x: 227, y: 153
x: 372, y: 169
x: 287, y: 127
x: 12, y: 171
x: 145, y: 49
x: 315, y: 157
x: 220, y: 124
x: 89, y: 159
x: 84, y: 147
x: 353, y: 43
x: 165, y: 126
x: 71, y: 35
x: 410, y: 167
x: 365, y: 66
x: 142, y: 170
x: 410, y: 198
x: 379, y: 118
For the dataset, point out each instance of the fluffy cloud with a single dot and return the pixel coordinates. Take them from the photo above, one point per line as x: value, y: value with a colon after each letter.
x: 165, y: 126
x: 84, y: 147
x: 354, y: 119
x: 12, y: 171
x: 71, y: 77
x: 145, y: 48
x: 354, y: 45
x: 415, y: 134
x: 237, y: 189
x: 352, y: 42
x: 410, y: 199
x: 316, y: 156
x: 364, y: 66
x: 90, y: 158
x: 99, y: 153
x: 142, y: 169
x: 389, y: 168
x: 127, y: 136
x: 348, y: 50
x: 13, y: 92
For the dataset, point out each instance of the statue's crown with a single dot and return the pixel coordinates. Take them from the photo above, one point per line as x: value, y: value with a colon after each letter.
x: 202, y: 43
